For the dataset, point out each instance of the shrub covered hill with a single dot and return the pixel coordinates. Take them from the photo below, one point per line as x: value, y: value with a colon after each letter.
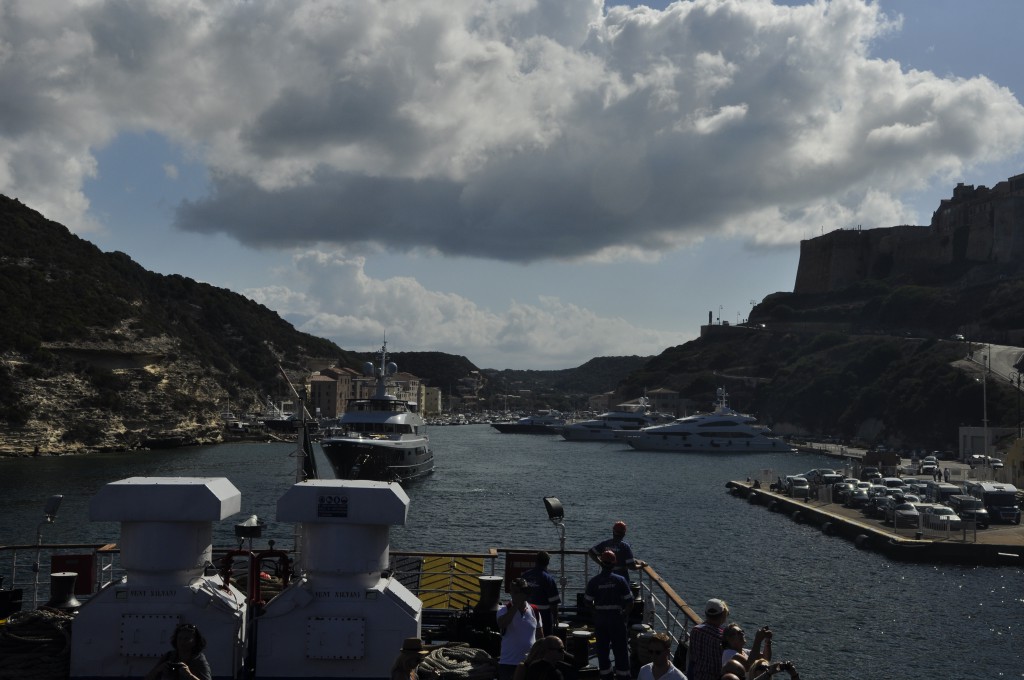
x: 98, y: 353
x: 878, y: 361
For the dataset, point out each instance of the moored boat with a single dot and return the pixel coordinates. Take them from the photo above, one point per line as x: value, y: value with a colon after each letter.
x: 542, y: 422
x: 616, y: 424
x: 720, y: 431
x: 381, y: 438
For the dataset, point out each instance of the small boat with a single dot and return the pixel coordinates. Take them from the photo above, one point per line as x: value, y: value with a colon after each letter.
x: 542, y: 422
x: 616, y: 424
x: 382, y: 438
x: 721, y: 431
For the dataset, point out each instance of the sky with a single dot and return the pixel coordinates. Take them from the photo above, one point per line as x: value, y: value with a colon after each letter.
x: 526, y: 183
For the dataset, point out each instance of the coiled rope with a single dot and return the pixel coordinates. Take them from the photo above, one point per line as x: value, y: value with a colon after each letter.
x: 461, y: 661
x: 35, y: 645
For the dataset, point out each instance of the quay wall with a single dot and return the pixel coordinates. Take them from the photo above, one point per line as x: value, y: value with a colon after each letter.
x: 873, y: 537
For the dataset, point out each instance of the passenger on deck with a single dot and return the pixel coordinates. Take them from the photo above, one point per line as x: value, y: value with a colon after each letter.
x: 760, y: 669
x: 409, y: 657
x: 520, y: 626
x: 704, y: 660
x: 186, y: 659
x: 624, y: 560
x: 547, y: 660
x: 542, y: 591
x: 735, y: 658
x: 659, y: 647
x: 612, y: 600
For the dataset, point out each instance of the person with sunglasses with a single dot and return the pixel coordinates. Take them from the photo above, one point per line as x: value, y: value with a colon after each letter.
x: 660, y: 668
x: 736, y: 659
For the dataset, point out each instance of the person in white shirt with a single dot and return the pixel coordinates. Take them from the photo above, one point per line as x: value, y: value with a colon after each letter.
x: 661, y: 668
x: 520, y: 626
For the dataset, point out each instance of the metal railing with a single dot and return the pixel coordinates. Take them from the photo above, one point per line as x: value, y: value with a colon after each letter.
x: 444, y: 582
x: 28, y: 567
x: 451, y: 581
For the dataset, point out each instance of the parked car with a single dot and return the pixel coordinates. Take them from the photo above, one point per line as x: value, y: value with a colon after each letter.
x: 870, y: 472
x: 858, y: 498
x: 841, y: 491
x: 942, y: 517
x: 970, y: 509
x: 917, y: 486
x: 876, y: 507
x: 827, y: 479
x: 904, y: 516
x: 877, y: 490
x: 816, y: 476
x: 797, y: 486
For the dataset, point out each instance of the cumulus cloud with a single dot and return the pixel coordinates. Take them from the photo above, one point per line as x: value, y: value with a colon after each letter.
x: 504, y: 129
x: 331, y: 295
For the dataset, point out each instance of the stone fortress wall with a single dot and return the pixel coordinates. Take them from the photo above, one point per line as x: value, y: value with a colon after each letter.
x: 977, y: 226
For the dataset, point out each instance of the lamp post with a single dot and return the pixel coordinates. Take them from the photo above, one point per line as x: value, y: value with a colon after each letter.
x: 984, y: 400
x: 49, y: 514
x: 557, y: 516
x: 1020, y: 430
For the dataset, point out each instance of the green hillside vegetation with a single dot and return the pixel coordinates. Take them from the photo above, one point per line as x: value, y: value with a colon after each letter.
x: 877, y: 389
x: 97, y: 353
x: 563, y: 389
x: 105, y: 333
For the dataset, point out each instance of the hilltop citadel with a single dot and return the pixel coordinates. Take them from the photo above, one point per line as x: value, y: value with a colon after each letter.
x: 975, y: 236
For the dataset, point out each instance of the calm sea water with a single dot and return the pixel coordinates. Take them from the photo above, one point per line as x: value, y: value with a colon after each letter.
x: 837, y: 611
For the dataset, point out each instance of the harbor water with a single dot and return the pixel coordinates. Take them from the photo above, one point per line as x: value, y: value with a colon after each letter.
x: 836, y: 611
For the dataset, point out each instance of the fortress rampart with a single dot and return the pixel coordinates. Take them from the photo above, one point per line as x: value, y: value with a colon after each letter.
x: 977, y: 226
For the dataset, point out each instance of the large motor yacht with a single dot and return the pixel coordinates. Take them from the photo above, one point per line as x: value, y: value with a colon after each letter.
x: 616, y: 424
x: 721, y: 431
x: 382, y: 438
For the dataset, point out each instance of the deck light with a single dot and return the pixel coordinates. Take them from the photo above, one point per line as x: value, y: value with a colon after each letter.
x: 554, y: 507
x: 557, y: 516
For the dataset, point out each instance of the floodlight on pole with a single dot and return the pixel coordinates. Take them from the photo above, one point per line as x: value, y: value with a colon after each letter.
x: 556, y: 513
x: 49, y: 514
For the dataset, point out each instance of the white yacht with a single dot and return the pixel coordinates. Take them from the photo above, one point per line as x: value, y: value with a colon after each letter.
x: 382, y: 438
x: 616, y: 424
x: 721, y: 431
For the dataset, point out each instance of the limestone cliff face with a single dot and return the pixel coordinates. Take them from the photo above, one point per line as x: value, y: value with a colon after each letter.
x: 977, y: 227
x: 115, y: 394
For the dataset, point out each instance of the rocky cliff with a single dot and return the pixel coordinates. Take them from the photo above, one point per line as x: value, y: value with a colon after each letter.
x: 96, y: 353
x: 976, y: 235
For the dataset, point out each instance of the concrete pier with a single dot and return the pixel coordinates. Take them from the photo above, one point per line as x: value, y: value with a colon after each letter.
x: 1000, y: 544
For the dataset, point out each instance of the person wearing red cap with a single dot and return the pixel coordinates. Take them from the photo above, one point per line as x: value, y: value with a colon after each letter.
x: 609, y: 594
x: 624, y: 560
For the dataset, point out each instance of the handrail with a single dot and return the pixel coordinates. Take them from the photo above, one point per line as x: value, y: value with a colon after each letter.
x: 443, y: 580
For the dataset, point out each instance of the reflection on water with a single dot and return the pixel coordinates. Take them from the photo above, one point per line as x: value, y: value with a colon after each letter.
x: 838, y: 612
